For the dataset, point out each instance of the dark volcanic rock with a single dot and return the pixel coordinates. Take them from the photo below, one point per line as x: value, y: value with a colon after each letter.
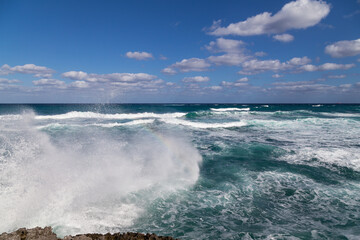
x: 33, y: 233
x: 47, y: 234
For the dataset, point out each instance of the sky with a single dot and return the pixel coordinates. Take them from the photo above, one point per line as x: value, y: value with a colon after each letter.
x: 180, y: 51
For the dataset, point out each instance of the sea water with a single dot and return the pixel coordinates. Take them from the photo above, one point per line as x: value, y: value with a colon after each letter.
x: 188, y: 171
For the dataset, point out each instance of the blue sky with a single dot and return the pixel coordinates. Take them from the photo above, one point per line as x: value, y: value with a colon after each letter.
x: 257, y: 51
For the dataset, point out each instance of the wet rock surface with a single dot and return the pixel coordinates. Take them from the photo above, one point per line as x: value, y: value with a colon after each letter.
x: 47, y: 234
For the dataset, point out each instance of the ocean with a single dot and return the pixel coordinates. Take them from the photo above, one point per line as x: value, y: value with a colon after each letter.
x: 191, y: 171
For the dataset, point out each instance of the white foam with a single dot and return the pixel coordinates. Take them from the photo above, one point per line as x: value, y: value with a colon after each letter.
x: 348, y: 157
x: 131, y: 123
x: 229, y: 109
x: 341, y: 114
x: 94, y: 115
x: 204, y: 125
x: 265, y: 105
x: 84, y: 183
x: 10, y: 117
x: 317, y: 105
x: 105, y: 125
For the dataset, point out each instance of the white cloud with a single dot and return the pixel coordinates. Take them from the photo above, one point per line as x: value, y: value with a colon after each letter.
x: 298, y: 14
x: 112, y: 77
x: 139, y: 55
x: 228, y: 59
x: 225, y: 45
x: 151, y: 86
x: 234, y: 52
x: 238, y: 83
x: 299, y: 61
x: 215, y: 88
x: 39, y: 71
x: 299, y: 64
x: 79, y: 84
x: 196, y: 79
x: 168, y: 71
x: 343, y: 48
x: 244, y: 79
x: 337, y: 76
x: 284, y: 37
x: 309, y: 68
x: 277, y: 76
x: 188, y: 65
x: 75, y: 75
x: 302, y: 86
x: 260, y: 54
x: 326, y: 67
x: 4, y: 80
x: 192, y: 86
x: 50, y: 82
x: 43, y: 75
x: 256, y: 66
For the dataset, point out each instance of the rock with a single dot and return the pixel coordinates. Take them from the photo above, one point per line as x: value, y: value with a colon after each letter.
x: 27, y: 234
x: 46, y: 233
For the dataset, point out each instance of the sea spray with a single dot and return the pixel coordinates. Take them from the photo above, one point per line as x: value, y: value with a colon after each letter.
x: 84, y: 181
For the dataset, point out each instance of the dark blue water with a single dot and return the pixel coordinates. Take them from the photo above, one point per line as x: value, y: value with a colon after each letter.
x: 186, y: 170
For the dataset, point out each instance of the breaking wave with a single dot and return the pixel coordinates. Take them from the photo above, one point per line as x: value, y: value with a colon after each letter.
x: 91, y: 181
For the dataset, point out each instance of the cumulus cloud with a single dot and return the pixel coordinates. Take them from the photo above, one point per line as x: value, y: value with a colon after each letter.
x: 260, y: 54
x: 302, y: 86
x: 147, y: 86
x: 242, y: 82
x: 234, y: 56
x: 8, y: 81
x: 277, y: 76
x: 298, y: 14
x: 297, y: 64
x: 168, y: 71
x: 188, y: 65
x: 118, y: 82
x: 343, y: 48
x: 233, y: 49
x: 229, y: 59
x: 225, y: 45
x: 196, y: 79
x: 75, y: 75
x: 284, y: 37
x: 299, y: 61
x: 256, y: 66
x: 139, y: 55
x: 244, y: 79
x: 38, y: 71
x: 112, y: 77
x: 214, y: 88
x: 327, y: 67
x: 79, y: 84
x: 337, y: 76
x: 50, y: 82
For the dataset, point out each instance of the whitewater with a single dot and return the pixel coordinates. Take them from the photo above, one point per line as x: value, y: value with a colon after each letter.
x: 191, y: 171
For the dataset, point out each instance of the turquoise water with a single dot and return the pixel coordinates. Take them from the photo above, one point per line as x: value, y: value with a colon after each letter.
x: 189, y: 171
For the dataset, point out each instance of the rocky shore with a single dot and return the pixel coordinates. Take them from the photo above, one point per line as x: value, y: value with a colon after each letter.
x: 46, y: 233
